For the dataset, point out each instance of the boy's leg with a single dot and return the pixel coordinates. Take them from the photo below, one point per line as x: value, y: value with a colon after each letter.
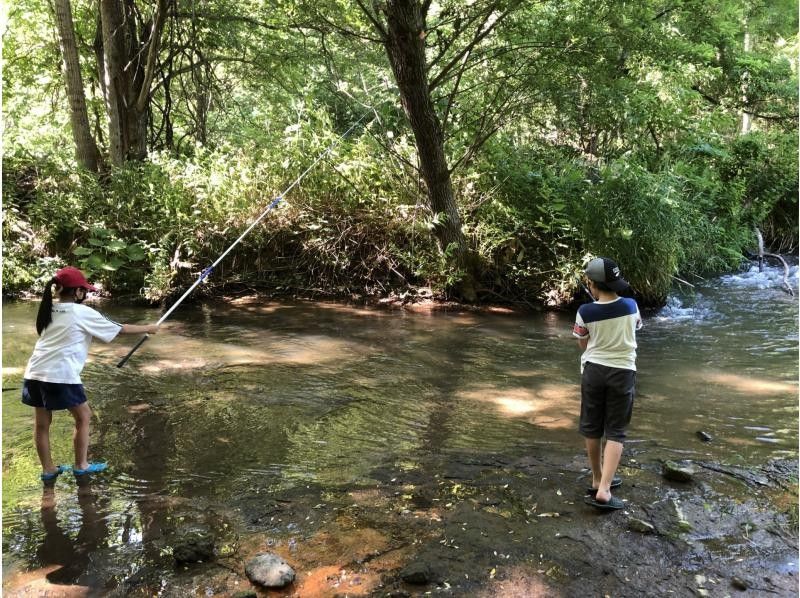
x: 593, y: 451
x: 611, y: 457
x: 41, y: 438
x: 619, y: 407
x: 80, y: 439
x: 593, y: 416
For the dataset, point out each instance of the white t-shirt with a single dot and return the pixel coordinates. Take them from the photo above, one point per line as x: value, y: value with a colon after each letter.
x: 62, y: 349
x: 611, y: 327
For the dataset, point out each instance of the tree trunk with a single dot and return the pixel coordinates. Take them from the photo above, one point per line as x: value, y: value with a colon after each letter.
x: 86, y: 152
x: 129, y: 62
x: 746, y: 119
x: 405, y: 46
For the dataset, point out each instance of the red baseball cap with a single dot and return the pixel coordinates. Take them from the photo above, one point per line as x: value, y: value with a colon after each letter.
x: 72, y: 278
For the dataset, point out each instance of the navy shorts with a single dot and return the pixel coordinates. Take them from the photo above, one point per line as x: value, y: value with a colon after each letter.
x: 52, y: 395
x: 606, y: 401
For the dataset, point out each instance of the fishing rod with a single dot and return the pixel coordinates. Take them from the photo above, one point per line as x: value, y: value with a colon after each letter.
x: 586, y: 289
x: 205, y: 273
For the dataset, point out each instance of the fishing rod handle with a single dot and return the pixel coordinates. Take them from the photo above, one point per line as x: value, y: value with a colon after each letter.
x: 125, y: 359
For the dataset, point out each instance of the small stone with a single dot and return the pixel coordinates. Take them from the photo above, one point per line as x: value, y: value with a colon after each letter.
x: 676, y: 472
x: 739, y: 583
x: 269, y: 570
x: 643, y: 527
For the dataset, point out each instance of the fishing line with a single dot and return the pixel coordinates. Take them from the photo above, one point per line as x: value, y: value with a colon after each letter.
x: 205, y: 273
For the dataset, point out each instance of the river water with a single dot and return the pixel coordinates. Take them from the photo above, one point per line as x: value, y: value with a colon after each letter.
x: 252, y: 399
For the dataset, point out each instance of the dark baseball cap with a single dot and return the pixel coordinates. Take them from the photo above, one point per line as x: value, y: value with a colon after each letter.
x: 603, y: 269
x: 72, y: 278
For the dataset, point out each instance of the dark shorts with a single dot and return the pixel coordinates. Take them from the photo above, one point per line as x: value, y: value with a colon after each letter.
x: 606, y: 401
x: 52, y: 395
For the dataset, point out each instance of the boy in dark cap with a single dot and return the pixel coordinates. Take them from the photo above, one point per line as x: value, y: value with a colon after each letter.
x: 606, y: 331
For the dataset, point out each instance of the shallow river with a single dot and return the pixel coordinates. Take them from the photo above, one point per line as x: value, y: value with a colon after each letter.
x: 235, y: 400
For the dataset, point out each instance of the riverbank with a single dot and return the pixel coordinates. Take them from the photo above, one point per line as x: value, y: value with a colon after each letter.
x: 496, y: 525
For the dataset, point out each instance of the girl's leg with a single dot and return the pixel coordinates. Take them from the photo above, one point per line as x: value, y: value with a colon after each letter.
x: 41, y: 438
x: 80, y: 439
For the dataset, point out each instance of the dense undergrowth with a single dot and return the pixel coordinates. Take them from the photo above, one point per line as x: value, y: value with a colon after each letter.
x: 358, y: 227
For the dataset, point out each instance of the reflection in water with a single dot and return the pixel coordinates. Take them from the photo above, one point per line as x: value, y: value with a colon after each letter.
x: 63, y: 556
x: 246, y: 401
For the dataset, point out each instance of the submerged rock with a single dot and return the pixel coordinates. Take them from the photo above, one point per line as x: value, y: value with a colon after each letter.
x: 417, y: 573
x: 269, y: 570
x: 194, y: 545
x: 739, y: 583
x: 677, y: 472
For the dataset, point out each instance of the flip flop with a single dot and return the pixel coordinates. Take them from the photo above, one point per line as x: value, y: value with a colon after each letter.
x: 616, y: 482
x: 613, y: 504
x: 93, y: 468
x: 52, y: 475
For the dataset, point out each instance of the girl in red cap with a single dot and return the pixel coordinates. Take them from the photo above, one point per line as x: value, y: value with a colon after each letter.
x: 52, y: 379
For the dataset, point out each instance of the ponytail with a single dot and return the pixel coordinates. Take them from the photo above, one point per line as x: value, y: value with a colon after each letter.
x: 45, y: 315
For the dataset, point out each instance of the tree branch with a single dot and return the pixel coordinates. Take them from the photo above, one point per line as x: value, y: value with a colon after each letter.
x: 159, y: 17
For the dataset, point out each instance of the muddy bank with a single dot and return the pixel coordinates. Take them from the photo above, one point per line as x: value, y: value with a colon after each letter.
x: 490, y: 525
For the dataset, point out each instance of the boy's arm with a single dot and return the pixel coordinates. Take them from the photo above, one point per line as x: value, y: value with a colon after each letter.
x: 580, y: 331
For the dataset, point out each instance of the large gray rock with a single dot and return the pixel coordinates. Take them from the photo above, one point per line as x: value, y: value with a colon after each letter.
x: 269, y: 570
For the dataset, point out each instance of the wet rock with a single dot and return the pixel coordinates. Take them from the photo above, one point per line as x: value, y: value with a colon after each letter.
x: 638, y: 525
x: 747, y: 475
x: 739, y: 583
x: 677, y: 472
x: 417, y: 573
x: 684, y: 526
x: 704, y: 436
x: 194, y: 545
x: 422, y: 500
x: 269, y: 570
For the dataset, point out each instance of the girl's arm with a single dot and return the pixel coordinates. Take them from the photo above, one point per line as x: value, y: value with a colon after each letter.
x: 135, y: 329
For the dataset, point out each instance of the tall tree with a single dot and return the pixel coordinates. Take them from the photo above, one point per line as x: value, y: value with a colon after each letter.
x: 404, y: 38
x: 86, y: 152
x: 130, y: 54
x: 429, y: 78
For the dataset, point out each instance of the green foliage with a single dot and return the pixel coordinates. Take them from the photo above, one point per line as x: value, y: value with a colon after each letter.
x: 565, y: 112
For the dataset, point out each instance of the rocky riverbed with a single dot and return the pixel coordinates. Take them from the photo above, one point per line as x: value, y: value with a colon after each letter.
x: 474, y: 525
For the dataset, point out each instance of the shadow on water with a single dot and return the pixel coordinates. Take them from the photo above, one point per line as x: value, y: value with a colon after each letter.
x: 245, y: 408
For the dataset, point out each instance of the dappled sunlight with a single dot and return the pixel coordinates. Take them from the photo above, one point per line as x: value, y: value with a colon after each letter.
x: 537, y: 373
x: 9, y: 371
x: 257, y: 304
x: 521, y: 581
x: 552, y: 406
x: 745, y: 384
x: 34, y: 583
x: 336, y: 580
x: 191, y: 353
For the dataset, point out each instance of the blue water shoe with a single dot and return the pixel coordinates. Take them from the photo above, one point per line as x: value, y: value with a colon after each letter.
x: 93, y: 468
x: 52, y: 475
